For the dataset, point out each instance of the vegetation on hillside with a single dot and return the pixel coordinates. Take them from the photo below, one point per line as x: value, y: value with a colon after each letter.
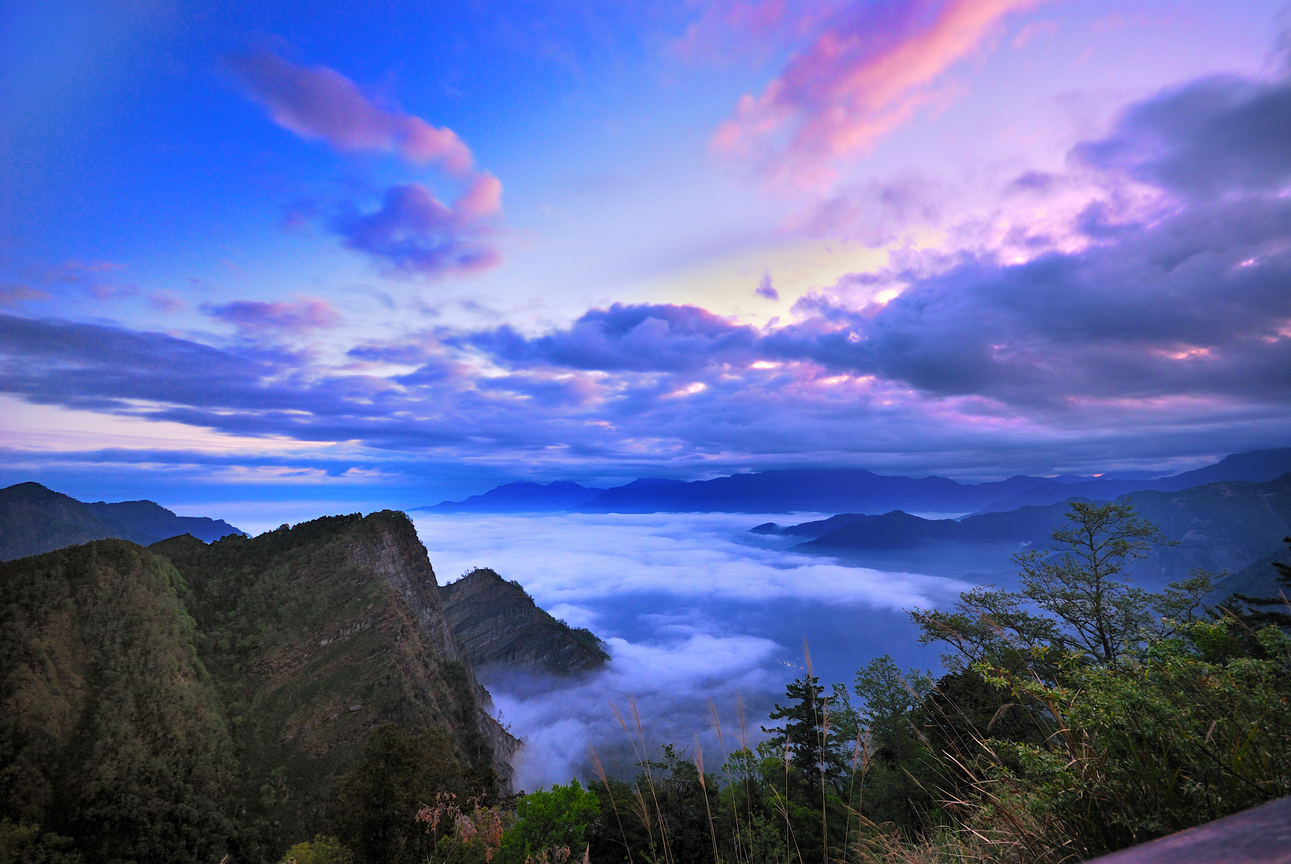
x: 185, y: 701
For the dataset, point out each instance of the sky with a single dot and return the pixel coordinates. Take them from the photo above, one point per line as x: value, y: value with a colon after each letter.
x: 302, y: 255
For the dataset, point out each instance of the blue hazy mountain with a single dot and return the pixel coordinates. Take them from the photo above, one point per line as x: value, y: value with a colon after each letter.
x: 850, y: 490
x: 1223, y: 526
x: 766, y: 492
x: 1255, y: 467
x: 522, y: 497
x: 35, y: 520
x: 826, y: 490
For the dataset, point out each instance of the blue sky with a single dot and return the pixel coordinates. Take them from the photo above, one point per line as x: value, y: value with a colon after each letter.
x: 329, y: 252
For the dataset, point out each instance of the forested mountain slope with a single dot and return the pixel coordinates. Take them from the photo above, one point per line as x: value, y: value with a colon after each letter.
x: 201, y: 699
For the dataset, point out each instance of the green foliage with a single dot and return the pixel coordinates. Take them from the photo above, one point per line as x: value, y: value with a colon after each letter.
x: 899, y: 769
x: 803, y: 734
x: 987, y: 622
x: 1080, y: 584
x: 1081, y: 715
x: 320, y: 850
x: 889, y: 700
x: 184, y: 701
x: 551, y: 819
x: 1083, y: 586
x: 1144, y: 748
x: 378, y: 799
x: 21, y: 843
x: 110, y: 730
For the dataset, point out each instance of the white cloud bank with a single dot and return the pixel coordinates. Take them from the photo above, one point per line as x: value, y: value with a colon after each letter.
x: 691, y: 608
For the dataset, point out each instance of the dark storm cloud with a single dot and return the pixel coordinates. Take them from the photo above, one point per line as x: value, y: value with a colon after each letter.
x: 660, y: 337
x: 1215, y: 136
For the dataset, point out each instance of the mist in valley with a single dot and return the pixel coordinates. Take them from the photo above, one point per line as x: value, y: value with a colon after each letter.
x: 693, y: 609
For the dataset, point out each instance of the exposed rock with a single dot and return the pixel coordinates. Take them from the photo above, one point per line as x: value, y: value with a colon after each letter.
x: 501, y: 624
x: 397, y: 556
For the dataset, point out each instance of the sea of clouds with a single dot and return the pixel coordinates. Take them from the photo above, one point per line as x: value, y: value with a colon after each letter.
x: 698, y: 615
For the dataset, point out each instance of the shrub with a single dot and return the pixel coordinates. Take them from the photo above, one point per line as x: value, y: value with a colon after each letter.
x: 320, y: 850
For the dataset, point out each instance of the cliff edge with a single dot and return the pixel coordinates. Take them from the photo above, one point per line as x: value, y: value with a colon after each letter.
x: 500, y: 624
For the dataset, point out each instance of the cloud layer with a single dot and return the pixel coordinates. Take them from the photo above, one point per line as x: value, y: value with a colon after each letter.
x: 1155, y: 320
x: 683, y: 607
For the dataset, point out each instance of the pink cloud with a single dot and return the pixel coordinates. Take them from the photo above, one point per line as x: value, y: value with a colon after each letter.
x: 13, y: 293
x: 164, y: 302
x: 482, y: 199
x: 254, y: 316
x: 729, y: 28
x: 865, y: 74
x: 319, y: 103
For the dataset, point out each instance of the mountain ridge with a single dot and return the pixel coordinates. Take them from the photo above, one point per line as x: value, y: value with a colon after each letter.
x: 233, y: 683
x: 499, y: 623
x: 837, y: 490
x: 1221, y: 526
x: 35, y: 520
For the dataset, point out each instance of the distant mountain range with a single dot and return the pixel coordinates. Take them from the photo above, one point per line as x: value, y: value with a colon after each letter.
x: 522, y: 498
x: 34, y: 520
x: 849, y: 489
x: 1226, y: 526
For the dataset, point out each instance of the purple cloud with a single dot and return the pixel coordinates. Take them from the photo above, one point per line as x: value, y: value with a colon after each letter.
x: 1165, y: 335
x: 766, y: 289
x: 1190, y: 306
x: 866, y: 72
x: 258, y: 317
x: 165, y: 302
x: 319, y: 103
x: 413, y: 233
x: 637, y: 338
x: 1220, y: 135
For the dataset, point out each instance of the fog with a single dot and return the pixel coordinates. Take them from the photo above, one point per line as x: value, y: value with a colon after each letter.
x: 692, y: 608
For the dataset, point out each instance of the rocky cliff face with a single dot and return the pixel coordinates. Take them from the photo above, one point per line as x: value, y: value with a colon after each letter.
x: 395, y: 555
x: 498, y: 623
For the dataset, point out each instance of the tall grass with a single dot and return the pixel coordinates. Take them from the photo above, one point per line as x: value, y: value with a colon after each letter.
x: 1101, y: 758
